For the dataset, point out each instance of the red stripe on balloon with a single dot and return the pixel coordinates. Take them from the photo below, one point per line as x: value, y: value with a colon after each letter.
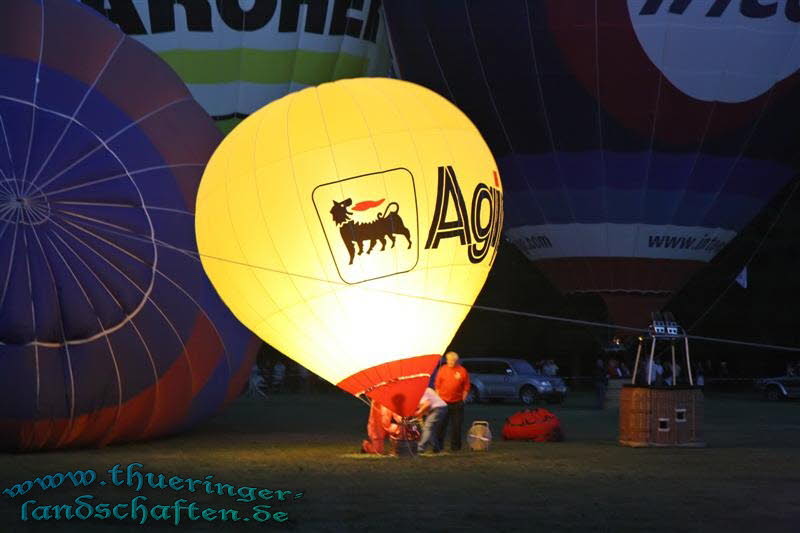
x: 369, y: 204
x: 397, y: 384
x: 241, y: 376
x: 175, y: 392
x: 146, y: 415
x: 496, y: 179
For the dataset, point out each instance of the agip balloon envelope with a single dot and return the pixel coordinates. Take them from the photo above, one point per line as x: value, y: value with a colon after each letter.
x: 109, y: 329
x: 351, y: 226
x: 638, y: 137
x: 238, y: 56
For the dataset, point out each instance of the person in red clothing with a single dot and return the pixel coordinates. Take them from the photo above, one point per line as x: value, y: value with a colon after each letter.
x: 382, y: 423
x: 452, y: 386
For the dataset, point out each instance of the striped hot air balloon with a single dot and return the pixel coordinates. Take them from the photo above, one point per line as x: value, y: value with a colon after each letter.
x: 238, y: 56
x: 638, y: 136
x: 109, y: 329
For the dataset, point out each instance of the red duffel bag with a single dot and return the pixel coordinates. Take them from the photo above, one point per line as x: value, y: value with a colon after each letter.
x: 537, y: 425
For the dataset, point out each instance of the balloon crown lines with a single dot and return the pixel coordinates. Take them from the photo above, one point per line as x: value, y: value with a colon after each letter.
x: 130, y: 16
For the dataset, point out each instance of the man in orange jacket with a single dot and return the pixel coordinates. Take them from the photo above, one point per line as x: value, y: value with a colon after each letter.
x: 452, y: 386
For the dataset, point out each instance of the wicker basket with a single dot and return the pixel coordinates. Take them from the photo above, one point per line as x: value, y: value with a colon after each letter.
x: 613, y: 391
x: 650, y: 416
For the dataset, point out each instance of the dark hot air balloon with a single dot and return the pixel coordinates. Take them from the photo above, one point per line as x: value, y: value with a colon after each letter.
x: 637, y: 137
x: 109, y: 329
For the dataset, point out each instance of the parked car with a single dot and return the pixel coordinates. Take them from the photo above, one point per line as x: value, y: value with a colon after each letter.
x: 494, y: 378
x: 780, y: 388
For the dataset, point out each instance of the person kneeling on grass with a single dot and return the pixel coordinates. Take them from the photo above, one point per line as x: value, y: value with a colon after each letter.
x: 382, y: 424
x: 434, y: 409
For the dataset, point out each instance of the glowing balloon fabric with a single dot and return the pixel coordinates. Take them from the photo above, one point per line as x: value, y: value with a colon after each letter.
x: 236, y: 56
x: 351, y: 226
x: 109, y: 330
x: 638, y: 136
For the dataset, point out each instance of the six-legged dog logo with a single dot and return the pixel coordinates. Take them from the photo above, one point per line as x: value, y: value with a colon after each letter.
x: 386, y: 225
x: 370, y: 223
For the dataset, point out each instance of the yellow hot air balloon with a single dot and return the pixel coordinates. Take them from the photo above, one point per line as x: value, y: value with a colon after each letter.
x: 351, y: 226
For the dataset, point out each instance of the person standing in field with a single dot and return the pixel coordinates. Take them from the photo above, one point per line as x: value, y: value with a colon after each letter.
x: 600, y: 378
x: 434, y: 409
x: 452, y: 386
x: 278, y: 375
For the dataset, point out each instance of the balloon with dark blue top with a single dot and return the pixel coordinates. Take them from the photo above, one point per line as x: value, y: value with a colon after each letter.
x: 109, y: 329
x: 635, y: 138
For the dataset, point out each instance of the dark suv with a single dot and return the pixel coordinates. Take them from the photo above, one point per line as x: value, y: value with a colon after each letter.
x: 501, y: 378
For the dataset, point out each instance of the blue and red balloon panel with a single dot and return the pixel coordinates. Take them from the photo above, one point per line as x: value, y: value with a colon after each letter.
x: 109, y: 329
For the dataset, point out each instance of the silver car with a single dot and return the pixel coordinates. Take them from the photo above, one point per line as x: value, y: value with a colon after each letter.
x: 781, y: 388
x: 495, y: 378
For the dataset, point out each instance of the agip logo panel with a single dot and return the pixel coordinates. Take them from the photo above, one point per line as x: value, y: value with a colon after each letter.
x: 371, y: 224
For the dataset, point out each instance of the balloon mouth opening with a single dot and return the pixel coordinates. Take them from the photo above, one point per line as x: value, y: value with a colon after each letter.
x: 22, y: 202
x: 398, y: 385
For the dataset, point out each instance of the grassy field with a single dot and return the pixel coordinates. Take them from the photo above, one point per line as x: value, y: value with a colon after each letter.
x: 748, y: 479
